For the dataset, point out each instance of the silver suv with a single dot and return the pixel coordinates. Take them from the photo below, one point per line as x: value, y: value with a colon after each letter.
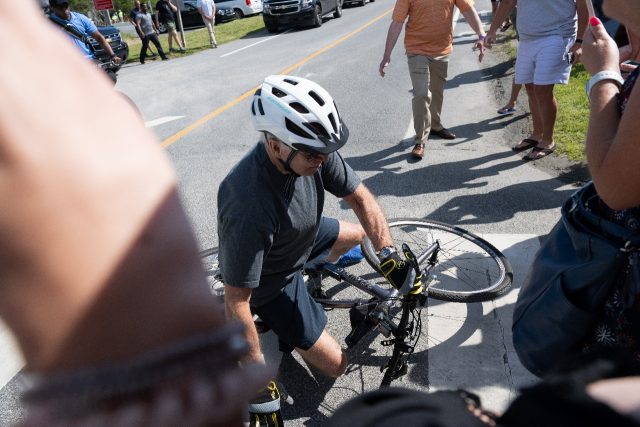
x: 242, y: 7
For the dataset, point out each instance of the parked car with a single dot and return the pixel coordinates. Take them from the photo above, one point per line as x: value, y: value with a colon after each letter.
x: 242, y: 8
x: 278, y: 13
x: 358, y: 2
x: 114, y: 38
x: 191, y: 16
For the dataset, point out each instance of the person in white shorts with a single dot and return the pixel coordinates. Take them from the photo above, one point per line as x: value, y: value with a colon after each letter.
x: 548, y: 47
x: 207, y: 9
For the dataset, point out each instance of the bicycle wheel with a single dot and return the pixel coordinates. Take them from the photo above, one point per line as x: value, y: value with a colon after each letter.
x: 212, y: 270
x: 468, y: 269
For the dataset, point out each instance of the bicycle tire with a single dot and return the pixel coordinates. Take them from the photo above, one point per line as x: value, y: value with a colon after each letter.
x: 211, y: 266
x: 469, y: 269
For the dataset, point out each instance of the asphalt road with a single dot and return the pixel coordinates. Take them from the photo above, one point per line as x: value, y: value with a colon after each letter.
x: 199, y: 108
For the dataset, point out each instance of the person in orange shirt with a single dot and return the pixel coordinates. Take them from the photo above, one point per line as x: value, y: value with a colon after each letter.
x: 428, y: 43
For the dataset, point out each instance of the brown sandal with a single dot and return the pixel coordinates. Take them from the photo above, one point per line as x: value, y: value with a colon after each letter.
x: 525, y: 144
x: 538, y: 153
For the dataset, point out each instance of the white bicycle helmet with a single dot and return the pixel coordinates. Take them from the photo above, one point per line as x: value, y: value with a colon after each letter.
x: 300, y: 113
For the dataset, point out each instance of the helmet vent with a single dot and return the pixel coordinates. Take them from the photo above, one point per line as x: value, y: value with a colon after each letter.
x: 317, y: 98
x: 294, y: 128
x: 333, y: 123
x: 253, y: 108
x: 258, y: 92
x: 278, y: 93
x: 291, y: 82
x: 299, y: 108
x: 260, y: 107
x: 317, y: 128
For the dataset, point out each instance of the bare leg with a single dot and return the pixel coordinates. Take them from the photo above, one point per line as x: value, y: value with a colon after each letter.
x: 174, y: 35
x: 326, y: 355
x: 515, y: 91
x: 349, y: 236
x: 536, y: 116
x: 547, y: 109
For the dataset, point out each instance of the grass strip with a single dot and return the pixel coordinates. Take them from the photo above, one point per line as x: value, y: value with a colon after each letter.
x: 198, y: 40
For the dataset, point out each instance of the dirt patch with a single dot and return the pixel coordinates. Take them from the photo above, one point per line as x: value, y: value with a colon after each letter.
x: 499, y: 65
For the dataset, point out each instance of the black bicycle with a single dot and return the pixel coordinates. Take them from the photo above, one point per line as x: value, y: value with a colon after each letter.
x: 456, y: 265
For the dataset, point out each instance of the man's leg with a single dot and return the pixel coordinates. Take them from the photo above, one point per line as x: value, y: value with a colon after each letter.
x: 169, y: 39
x: 438, y: 71
x: 212, y: 37
x: 552, y: 67
x: 547, y: 109
x: 525, y: 67
x: 143, y: 49
x: 419, y: 73
x: 350, y: 235
x: 536, y: 116
x: 326, y: 355
x: 174, y: 34
x: 299, y: 322
x: 154, y: 39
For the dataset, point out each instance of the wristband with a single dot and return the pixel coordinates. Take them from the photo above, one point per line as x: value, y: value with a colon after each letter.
x: 386, y: 252
x: 481, y: 38
x: 603, y: 75
x: 578, y: 41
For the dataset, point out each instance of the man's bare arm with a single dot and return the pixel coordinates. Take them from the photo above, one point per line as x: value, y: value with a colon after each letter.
x: 371, y: 216
x: 392, y: 38
x: 504, y: 10
x: 236, y: 302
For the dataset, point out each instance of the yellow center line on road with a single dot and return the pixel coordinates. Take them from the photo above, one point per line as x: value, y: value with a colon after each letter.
x: 215, y: 113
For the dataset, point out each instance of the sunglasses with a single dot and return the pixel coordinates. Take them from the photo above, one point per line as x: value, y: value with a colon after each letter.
x: 310, y: 157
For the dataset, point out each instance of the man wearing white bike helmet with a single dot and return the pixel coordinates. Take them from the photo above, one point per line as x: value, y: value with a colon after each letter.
x: 270, y: 221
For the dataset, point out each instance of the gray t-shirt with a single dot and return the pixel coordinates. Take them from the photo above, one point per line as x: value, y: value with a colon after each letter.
x: 146, y: 23
x: 540, y: 18
x: 267, y: 221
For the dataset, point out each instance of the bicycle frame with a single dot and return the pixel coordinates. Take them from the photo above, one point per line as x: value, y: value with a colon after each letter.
x: 366, y: 286
x: 377, y: 311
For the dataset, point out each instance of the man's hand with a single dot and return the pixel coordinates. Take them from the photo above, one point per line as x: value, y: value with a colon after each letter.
x: 479, y: 45
x: 401, y: 274
x: 116, y: 59
x: 383, y: 64
x: 489, y: 39
x: 576, y: 53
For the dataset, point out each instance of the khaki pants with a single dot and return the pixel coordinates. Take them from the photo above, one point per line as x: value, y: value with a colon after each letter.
x: 428, y: 76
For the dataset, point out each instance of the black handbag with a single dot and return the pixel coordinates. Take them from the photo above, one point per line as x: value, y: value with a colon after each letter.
x: 575, y: 270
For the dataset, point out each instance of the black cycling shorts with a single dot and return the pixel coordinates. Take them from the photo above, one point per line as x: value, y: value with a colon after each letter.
x: 293, y: 315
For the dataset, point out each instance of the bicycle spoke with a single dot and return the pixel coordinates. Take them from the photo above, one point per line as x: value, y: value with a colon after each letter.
x: 467, y: 268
